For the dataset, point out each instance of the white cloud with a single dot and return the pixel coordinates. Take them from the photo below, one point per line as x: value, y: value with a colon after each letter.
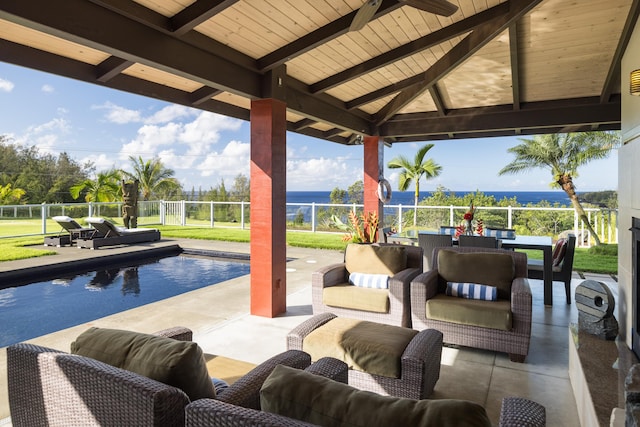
x: 45, y: 136
x: 119, y: 115
x: 47, y: 89
x: 102, y: 162
x: 233, y: 160
x: 149, y: 140
x: 170, y: 113
x: 6, y: 85
x: 321, y: 173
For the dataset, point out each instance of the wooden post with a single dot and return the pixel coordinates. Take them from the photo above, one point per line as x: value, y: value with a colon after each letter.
x: 268, y: 207
x: 373, y: 173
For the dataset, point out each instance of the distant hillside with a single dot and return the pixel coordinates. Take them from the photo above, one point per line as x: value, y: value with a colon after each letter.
x: 602, y: 199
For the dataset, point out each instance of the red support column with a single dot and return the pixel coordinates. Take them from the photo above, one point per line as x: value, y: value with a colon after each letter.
x: 268, y: 207
x: 373, y: 172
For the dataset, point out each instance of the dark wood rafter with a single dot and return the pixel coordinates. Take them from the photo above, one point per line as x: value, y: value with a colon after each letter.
x: 492, y: 120
x: 437, y: 99
x: 458, y: 54
x: 613, y: 77
x: 332, y: 132
x: 197, y: 13
x: 203, y: 94
x: 159, y: 22
x: 302, y: 124
x: 318, y: 37
x: 515, y: 64
x: 111, y: 67
x: 406, y: 50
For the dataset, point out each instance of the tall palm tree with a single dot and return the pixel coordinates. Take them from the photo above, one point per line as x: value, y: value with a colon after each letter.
x: 104, y: 188
x: 413, y: 171
x: 563, y: 154
x: 155, y: 180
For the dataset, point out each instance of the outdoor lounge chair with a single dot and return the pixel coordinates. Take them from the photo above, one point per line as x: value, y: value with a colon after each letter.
x: 70, y: 232
x: 111, y: 235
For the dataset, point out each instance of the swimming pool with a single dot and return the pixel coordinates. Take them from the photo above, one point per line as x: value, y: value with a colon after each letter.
x: 67, y: 300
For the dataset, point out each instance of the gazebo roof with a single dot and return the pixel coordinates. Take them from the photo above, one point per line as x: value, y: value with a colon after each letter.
x: 493, y: 68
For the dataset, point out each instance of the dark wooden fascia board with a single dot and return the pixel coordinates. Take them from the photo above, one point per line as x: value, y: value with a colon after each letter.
x: 406, y: 50
x: 613, y: 76
x: 318, y: 37
x: 581, y: 112
x: 132, y: 41
x: 477, y: 39
x: 197, y: 13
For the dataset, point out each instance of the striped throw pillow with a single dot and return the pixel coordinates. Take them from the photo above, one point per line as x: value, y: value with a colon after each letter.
x: 374, y: 281
x: 472, y: 291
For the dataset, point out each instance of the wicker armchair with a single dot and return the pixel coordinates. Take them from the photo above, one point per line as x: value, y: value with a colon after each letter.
x: 51, y: 387
x: 515, y: 342
x: 399, y: 306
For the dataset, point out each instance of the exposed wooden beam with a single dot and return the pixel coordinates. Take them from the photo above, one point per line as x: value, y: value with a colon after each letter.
x: 111, y: 67
x: 437, y: 99
x: 302, y: 124
x: 406, y: 50
x: 203, y: 94
x: 458, y: 54
x: 493, y: 120
x: 316, y: 38
x: 197, y: 13
x: 68, y: 20
x: 613, y: 76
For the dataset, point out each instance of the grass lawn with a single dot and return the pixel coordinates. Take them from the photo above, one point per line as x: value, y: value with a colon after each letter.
x: 598, y: 259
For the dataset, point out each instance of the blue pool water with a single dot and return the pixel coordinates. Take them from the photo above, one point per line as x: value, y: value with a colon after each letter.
x: 40, y: 308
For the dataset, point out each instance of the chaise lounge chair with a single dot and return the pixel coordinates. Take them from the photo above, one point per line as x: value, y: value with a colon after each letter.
x: 73, y: 231
x: 111, y: 235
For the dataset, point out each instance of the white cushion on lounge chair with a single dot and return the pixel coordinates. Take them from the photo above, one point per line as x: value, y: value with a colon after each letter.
x: 116, y: 228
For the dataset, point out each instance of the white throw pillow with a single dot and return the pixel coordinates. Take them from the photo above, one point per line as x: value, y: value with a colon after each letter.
x: 472, y: 291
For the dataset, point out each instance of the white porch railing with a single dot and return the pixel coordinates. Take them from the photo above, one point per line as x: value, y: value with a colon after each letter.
x: 21, y: 220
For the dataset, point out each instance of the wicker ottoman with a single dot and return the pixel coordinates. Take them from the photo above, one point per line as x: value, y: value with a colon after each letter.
x: 417, y: 363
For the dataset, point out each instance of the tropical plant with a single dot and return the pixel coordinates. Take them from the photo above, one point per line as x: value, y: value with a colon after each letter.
x: 563, y: 154
x: 360, y: 229
x: 155, y: 180
x: 414, y: 171
x: 105, y: 188
x: 10, y: 196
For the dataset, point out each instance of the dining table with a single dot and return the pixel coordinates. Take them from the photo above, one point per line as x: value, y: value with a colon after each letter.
x: 540, y: 243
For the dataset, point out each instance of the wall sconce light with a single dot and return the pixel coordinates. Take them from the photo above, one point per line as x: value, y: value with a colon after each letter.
x: 634, y: 83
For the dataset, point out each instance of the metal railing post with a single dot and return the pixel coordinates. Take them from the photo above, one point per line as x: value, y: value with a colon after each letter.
x: 43, y: 215
x: 211, y: 212
x: 509, y: 217
x: 183, y: 213
x: 451, y: 215
x: 313, y: 217
x: 242, y: 214
x: 399, y: 218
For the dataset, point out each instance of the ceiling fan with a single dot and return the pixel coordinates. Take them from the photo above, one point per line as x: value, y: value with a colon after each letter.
x: 367, y: 10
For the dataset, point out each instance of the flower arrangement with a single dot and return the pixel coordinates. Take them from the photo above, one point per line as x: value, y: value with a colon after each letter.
x: 467, y: 226
x: 360, y: 229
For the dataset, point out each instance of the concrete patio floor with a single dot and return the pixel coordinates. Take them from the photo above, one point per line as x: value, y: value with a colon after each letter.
x: 219, y: 316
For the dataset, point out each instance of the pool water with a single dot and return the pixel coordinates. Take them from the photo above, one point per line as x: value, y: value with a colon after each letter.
x: 68, y: 300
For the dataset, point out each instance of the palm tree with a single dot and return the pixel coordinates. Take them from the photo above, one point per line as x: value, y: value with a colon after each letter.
x: 104, y: 188
x: 413, y: 171
x: 10, y: 195
x: 155, y: 180
x: 563, y: 154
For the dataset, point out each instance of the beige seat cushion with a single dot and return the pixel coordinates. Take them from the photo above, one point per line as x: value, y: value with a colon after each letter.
x: 484, y: 314
x: 375, y: 259
x: 180, y: 364
x: 484, y: 268
x: 227, y: 369
x: 365, y: 346
x: 321, y: 401
x: 356, y: 298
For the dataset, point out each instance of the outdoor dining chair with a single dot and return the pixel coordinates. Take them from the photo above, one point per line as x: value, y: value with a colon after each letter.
x: 430, y: 241
x: 477, y: 241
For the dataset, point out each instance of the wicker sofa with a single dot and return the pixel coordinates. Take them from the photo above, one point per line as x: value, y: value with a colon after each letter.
x: 309, y: 400
x: 430, y: 286
x: 51, y: 387
x: 333, y: 293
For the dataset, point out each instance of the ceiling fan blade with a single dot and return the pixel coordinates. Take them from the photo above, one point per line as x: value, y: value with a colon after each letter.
x: 364, y: 15
x: 439, y: 7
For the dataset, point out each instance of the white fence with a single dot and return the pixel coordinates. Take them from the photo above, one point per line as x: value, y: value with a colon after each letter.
x: 316, y: 217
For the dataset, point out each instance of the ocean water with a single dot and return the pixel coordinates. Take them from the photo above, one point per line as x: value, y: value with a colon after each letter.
x: 406, y: 197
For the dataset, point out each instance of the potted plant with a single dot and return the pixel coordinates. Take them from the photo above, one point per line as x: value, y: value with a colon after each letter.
x: 360, y: 229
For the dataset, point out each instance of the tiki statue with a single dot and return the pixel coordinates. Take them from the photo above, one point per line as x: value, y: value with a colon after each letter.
x: 130, y: 205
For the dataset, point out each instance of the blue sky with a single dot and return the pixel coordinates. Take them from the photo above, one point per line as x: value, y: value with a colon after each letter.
x: 106, y: 126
